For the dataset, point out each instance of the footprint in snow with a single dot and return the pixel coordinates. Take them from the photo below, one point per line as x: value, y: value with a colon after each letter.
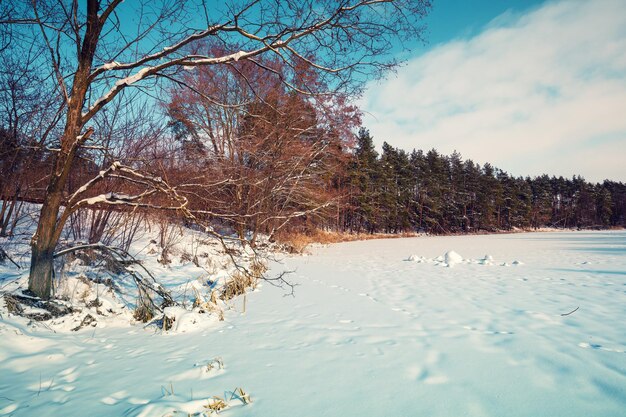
x: 9, y: 409
x: 419, y: 373
x: 474, y: 329
x: 436, y: 380
x: 402, y: 310
x: 109, y: 401
x: 600, y: 347
x: 137, y: 401
x: 368, y: 296
x: 114, y: 398
x: 133, y: 353
x: 60, y: 398
x: 69, y: 374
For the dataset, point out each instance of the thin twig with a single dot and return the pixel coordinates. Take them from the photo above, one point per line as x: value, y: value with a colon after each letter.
x: 574, y: 310
x: 4, y: 254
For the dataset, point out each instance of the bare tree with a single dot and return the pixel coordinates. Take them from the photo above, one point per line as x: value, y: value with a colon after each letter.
x: 28, y: 113
x: 262, y: 154
x: 95, y: 56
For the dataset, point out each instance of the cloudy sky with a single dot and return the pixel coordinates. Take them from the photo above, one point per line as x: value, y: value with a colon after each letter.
x: 531, y: 87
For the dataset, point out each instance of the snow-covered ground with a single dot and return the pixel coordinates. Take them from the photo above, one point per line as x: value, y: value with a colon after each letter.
x: 368, y: 333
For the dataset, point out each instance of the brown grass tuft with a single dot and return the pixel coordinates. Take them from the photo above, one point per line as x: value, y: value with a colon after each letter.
x: 297, y: 242
x: 238, y: 283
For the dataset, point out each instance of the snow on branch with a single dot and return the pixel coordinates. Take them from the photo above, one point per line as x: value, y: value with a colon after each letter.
x: 166, y: 51
x: 273, y: 42
x: 101, y: 175
x: 188, y: 61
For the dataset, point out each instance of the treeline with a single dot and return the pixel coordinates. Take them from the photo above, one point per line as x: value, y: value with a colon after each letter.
x: 258, y: 159
x: 398, y: 191
x: 298, y: 182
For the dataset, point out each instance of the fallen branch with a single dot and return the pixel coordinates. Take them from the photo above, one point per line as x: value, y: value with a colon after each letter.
x: 122, y: 257
x: 573, y: 311
x: 52, y: 309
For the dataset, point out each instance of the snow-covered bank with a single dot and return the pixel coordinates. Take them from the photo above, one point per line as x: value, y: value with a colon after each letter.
x: 98, y: 284
x: 367, y: 334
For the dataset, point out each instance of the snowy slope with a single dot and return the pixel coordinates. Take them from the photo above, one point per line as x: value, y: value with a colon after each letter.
x: 369, y: 333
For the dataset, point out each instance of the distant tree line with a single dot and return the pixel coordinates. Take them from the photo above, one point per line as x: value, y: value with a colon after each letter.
x: 398, y: 191
x: 303, y: 183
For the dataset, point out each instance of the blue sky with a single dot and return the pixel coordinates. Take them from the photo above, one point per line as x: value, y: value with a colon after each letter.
x: 530, y: 86
x: 452, y: 19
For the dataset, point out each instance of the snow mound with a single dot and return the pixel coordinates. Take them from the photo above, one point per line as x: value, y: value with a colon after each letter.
x: 415, y: 258
x: 452, y: 258
x: 181, y: 320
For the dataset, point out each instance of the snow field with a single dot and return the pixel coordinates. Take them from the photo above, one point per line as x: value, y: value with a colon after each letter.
x: 367, y: 334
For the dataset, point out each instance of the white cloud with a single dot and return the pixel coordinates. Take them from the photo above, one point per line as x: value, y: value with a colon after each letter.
x: 541, y: 92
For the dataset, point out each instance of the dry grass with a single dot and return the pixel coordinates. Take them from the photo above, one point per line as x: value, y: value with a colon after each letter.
x: 216, y: 404
x: 215, y: 363
x: 143, y: 314
x: 12, y: 304
x: 241, y: 395
x: 210, y: 306
x: 297, y: 242
x: 241, y: 280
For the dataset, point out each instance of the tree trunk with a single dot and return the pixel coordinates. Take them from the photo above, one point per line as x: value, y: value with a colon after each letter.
x: 50, y: 226
x: 43, y: 245
x: 41, y: 272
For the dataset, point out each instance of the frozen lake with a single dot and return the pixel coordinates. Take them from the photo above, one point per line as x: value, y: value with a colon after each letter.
x: 368, y: 333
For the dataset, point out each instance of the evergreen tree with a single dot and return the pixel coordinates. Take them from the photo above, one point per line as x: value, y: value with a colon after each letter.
x: 436, y: 193
x: 604, y: 205
x: 364, y: 172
